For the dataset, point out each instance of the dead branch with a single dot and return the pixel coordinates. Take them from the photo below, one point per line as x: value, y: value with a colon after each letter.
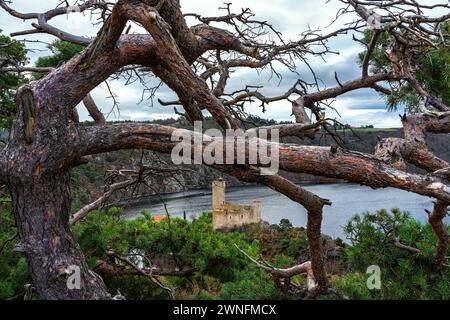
x: 93, y: 110
x: 282, y: 277
x: 83, y: 212
x: 147, y: 273
x: 109, y: 269
x: 400, y: 245
x: 132, y: 178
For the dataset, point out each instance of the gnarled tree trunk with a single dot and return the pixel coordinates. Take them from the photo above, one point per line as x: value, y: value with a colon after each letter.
x: 38, y: 160
x: 313, y: 231
x: 41, y: 208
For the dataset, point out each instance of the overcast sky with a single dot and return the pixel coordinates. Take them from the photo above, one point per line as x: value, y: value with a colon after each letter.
x: 361, y: 107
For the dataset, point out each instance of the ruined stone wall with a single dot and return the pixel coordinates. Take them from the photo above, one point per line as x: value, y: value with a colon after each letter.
x: 232, y: 216
x: 228, y: 216
x: 218, y: 194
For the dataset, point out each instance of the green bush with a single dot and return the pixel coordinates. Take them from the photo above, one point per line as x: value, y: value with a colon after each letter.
x: 353, y: 285
x: 204, y: 295
x: 10, y: 81
x: 282, y: 239
x: 431, y: 67
x: 404, y: 275
x: 13, y: 266
x: 62, y: 51
x: 222, y: 272
x: 190, y: 244
x: 251, y: 284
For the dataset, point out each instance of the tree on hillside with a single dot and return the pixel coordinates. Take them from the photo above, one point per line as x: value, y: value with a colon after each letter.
x: 12, y: 55
x: 62, y: 51
x: 430, y: 64
x: 197, y: 62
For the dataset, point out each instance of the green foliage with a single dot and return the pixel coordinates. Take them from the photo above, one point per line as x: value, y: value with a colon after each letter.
x: 203, y: 295
x: 190, y: 244
x: 285, y: 225
x: 222, y: 272
x: 251, y: 284
x: 62, y: 51
x: 282, y: 239
x: 80, y: 177
x: 13, y: 53
x: 379, y: 61
x: 405, y: 275
x: 89, y: 171
x: 80, y: 200
x: 193, y: 244
x: 13, y: 266
x: 354, y: 286
x: 431, y: 66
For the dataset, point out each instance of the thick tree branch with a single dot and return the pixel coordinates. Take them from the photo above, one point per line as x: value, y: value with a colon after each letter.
x: 282, y: 277
x: 83, y: 212
x: 435, y: 219
x: 168, y: 51
x: 364, y: 82
x: 414, y: 147
x: 322, y: 161
x: 93, y: 110
x: 108, y: 269
x: 314, y: 206
x: 147, y: 273
x: 42, y: 25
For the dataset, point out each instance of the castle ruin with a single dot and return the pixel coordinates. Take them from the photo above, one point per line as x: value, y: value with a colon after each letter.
x: 227, y: 216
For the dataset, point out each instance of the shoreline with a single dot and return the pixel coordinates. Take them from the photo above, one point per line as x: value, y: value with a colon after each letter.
x: 192, y: 193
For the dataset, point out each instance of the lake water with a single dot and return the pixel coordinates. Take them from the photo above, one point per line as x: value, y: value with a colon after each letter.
x: 348, y: 200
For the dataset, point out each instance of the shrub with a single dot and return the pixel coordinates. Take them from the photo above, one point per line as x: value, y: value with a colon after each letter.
x: 190, y: 244
x: 353, y: 285
x: 13, y: 266
x: 405, y: 275
x: 251, y: 284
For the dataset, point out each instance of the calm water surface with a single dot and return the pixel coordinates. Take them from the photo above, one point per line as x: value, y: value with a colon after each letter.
x: 348, y: 200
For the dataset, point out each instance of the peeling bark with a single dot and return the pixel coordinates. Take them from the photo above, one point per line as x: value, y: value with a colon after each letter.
x: 414, y: 148
x: 41, y: 211
x: 435, y: 219
x: 37, y: 166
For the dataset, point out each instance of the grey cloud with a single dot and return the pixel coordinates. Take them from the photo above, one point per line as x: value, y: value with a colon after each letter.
x: 381, y: 119
x: 290, y: 16
x: 368, y: 106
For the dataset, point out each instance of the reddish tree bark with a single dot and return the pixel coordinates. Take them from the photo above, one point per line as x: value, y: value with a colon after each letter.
x: 435, y: 218
x: 46, y: 142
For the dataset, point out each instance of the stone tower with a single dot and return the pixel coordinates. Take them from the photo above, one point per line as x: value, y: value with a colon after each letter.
x: 228, y: 216
x: 218, y: 194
